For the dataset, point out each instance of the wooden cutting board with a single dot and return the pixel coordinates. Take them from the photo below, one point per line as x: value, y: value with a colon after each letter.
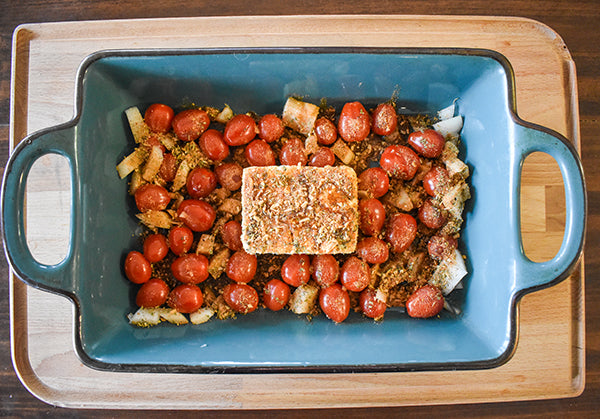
x: 549, y: 359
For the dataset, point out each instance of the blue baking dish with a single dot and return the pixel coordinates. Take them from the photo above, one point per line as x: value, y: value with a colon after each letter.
x: 495, y: 142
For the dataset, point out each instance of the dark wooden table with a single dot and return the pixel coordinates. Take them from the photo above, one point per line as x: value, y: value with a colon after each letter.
x: 577, y: 22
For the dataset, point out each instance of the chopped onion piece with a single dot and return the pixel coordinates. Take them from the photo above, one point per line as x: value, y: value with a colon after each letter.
x: 450, y: 126
x: 449, y: 273
x: 202, y: 315
x: 447, y: 112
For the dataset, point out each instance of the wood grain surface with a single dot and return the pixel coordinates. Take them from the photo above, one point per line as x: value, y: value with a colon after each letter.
x: 570, y: 22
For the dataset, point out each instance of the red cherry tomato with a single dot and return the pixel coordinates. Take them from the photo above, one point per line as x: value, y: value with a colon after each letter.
x: 401, y: 231
x: 212, y: 144
x: 151, y: 197
x: 185, y: 298
x: 428, y: 143
x: 153, y: 293
x: 425, y: 302
x: 441, y: 246
x: 374, y: 181
x: 293, y: 153
x: 295, y: 271
x: 355, y: 274
x: 372, y: 250
x: 241, y: 297
x: 354, y: 123
x: 201, y: 182
x: 259, y: 153
x: 241, y: 267
x: 155, y: 247
x: 435, y: 180
x: 323, y: 157
x: 326, y: 131
x: 137, y: 269
x: 231, y: 234
x: 270, y: 128
x: 229, y: 176
x: 239, y: 130
x: 370, y: 305
x: 385, y: 120
x: 168, y: 167
x: 180, y: 240
x: 325, y: 270
x: 188, y: 125
x: 190, y: 268
x: 335, y: 302
x: 430, y: 215
x: 372, y: 216
x: 400, y: 161
x: 197, y: 215
x: 159, y: 117
x: 276, y: 294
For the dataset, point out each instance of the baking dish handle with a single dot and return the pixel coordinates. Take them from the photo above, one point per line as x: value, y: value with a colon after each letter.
x: 57, y: 140
x: 531, y: 138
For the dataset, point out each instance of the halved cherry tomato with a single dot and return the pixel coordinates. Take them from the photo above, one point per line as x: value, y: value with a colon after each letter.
x: 293, y: 153
x: 259, y: 153
x: 185, y: 298
x: 295, y: 271
x: 355, y: 274
x: 425, y: 302
x: 239, y: 130
x: 441, y: 246
x: 430, y: 215
x: 326, y: 131
x: 372, y: 216
x: 335, y: 302
x: 323, y: 157
x: 276, y: 294
x: 180, y: 240
x: 270, y: 128
x: 153, y: 293
x: 159, y: 117
x: 137, y: 269
x: 201, y: 182
x: 401, y: 232
x: 385, y: 120
x: 190, y: 268
x: 370, y: 305
x: 212, y: 144
x: 229, y: 176
x: 231, y: 234
x: 354, y: 123
x: 155, y: 247
x: 151, y: 197
x: 400, y: 161
x: 325, y: 270
x: 188, y: 125
x: 435, y: 180
x: 428, y: 143
x: 241, y: 267
x: 241, y: 297
x: 372, y: 250
x: 374, y: 181
x: 197, y: 215
x: 168, y: 168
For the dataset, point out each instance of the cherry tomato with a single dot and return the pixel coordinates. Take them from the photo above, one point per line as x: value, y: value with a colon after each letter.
x: 425, y: 302
x: 355, y: 274
x: 197, y: 215
x: 159, y: 117
x: 325, y: 270
x: 323, y: 157
x: 430, y: 215
x: 400, y: 161
x: 385, y: 120
x: 229, y: 176
x: 239, y: 130
x: 293, y: 153
x: 168, y: 167
x: 231, y: 234
x: 259, y: 153
x: 190, y: 268
x: 401, y: 231
x: 241, y: 267
x: 295, y: 271
x: 335, y: 302
x: 137, y: 269
x: 185, y: 298
x: 374, y: 181
x: 241, y: 297
x: 155, y: 248
x: 270, y: 128
x: 201, y: 182
x: 428, y: 143
x: 441, y: 246
x: 326, y: 131
x: 180, y: 240
x: 188, y: 125
x: 372, y: 216
x: 212, y: 144
x: 276, y: 294
x: 151, y: 197
x: 354, y: 123
x: 435, y: 180
x: 372, y: 250
x: 370, y: 305
x: 153, y: 293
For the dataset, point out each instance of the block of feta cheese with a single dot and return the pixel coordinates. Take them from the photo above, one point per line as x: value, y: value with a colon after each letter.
x: 299, y: 209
